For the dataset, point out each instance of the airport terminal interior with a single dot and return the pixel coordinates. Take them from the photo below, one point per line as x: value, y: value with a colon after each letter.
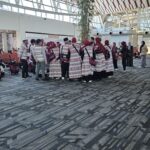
x: 74, y: 74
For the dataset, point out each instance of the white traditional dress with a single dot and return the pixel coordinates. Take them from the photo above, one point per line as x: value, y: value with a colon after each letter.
x: 100, y: 61
x: 109, y: 62
x: 75, y: 62
x: 87, y: 68
x: 55, y: 66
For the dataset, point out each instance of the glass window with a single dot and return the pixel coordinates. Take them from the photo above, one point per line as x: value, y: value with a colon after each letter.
x: 14, y: 9
x: 50, y: 16
x: 38, y: 14
x: 21, y: 10
x: 44, y: 15
x: 12, y: 1
x: 5, y: 7
x: 30, y: 12
x: 27, y: 3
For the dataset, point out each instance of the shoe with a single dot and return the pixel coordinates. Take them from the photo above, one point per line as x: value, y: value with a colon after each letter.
x: 71, y: 80
x: 63, y: 78
x: 37, y: 79
x: 109, y: 77
x: 44, y: 79
x: 90, y: 81
x: 29, y: 76
x: 84, y: 81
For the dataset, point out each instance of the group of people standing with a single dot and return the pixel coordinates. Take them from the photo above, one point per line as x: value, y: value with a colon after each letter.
x: 88, y: 61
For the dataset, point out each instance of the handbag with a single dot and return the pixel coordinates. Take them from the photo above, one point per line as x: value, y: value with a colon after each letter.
x: 79, y: 52
x: 64, y: 57
x: 50, y: 56
x: 98, y: 51
x: 107, y: 54
x: 91, y: 59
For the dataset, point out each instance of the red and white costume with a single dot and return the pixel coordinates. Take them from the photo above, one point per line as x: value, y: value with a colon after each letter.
x: 75, y: 62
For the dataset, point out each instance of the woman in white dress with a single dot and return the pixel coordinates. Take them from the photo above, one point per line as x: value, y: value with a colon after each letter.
x: 75, y: 60
x: 87, y: 68
x: 100, y: 59
x: 55, y: 65
x: 108, y: 60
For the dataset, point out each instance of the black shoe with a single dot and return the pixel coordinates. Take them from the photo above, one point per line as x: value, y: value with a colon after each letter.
x: 29, y: 76
x: 44, y: 79
x: 37, y: 79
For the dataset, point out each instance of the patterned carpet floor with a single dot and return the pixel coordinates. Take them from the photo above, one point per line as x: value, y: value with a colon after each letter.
x: 111, y: 114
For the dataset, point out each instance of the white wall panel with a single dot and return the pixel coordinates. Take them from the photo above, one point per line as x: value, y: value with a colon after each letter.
x: 116, y: 38
x: 22, y: 23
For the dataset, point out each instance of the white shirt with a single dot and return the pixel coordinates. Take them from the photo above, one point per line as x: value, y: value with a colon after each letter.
x: 39, y: 54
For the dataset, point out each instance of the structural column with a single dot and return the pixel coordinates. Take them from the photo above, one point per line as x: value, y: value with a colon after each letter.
x: 10, y: 42
x: 4, y: 42
x: 86, y: 8
x: 134, y: 40
x: 20, y: 35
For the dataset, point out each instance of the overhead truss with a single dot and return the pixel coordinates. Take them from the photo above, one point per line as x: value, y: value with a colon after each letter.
x: 108, y: 14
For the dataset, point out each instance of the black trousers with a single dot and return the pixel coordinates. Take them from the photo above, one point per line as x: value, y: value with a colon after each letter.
x: 24, y: 64
x: 104, y: 74
x: 65, y: 69
x: 97, y: 75
x: 115, y: 62
x: 87, y: 78
x: 111, y: 73
x: 130, y: 61
x: 124, y: 63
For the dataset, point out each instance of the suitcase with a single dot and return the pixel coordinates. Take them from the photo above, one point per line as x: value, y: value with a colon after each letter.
x: 14, y: 68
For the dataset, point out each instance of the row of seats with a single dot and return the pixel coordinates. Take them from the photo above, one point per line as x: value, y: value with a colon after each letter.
x: 7, y: 57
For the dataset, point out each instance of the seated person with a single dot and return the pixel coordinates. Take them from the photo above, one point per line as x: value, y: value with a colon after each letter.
x: 2, y: 66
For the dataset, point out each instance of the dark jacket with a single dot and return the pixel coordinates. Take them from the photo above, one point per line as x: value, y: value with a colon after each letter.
x: 124, y: 51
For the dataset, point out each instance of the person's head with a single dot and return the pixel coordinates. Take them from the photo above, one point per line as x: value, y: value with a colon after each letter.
x: 86, y: 42
x: 74, y: 40
x: 143, y: 43
x: 107, y: 42
x: 114, y: 44
x: 48, y: 44
x: 92, y: 39
x: 53, y: 45
x: 25, y: 42
x: 33, y: 41
x: 123, y: 44
x: 70, y: 41
x: 129, y: 44
x: 39, y: 42
x: 66, y: 40
x: 58, y: 44
x: 43, y: 43
x: 98, y: 40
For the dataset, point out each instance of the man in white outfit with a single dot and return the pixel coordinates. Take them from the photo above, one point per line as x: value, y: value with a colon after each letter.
x: 40, y: 58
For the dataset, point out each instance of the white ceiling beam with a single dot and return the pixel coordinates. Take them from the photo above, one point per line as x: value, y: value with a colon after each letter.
x: 37, y: 10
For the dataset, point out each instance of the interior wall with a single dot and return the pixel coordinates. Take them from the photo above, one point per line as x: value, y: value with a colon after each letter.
x: 116, y: 38
x: 22, y: 23
x: 146, y: 38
